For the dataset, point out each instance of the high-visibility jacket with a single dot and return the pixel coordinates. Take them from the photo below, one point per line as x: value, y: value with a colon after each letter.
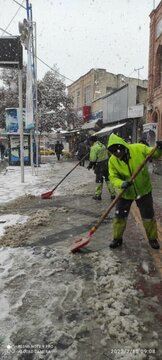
x: 120, y: 171
x: 98, y: 152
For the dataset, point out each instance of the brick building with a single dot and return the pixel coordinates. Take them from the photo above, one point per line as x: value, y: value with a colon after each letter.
x: 154, y: 94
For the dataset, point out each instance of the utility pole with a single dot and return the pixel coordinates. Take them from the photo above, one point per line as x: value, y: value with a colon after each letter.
x: 139, y: 72
x: 21, y: 130
x: 27, y: 30
x: 33, y: 56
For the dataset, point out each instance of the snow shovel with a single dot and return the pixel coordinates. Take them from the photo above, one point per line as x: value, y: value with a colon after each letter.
x: 84, y: 241
x: 48, y: 194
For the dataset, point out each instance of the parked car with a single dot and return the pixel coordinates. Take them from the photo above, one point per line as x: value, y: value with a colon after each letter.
x: 47, y: 152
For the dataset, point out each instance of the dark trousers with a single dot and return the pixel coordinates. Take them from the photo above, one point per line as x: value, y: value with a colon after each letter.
x: 82, y: 162
x: 145, y: 205
x: 58, y: 156
x: 101, y: 171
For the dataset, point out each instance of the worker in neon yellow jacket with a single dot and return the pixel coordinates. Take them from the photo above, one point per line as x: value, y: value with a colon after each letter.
x: 125, y: 160
x: 99, y: 162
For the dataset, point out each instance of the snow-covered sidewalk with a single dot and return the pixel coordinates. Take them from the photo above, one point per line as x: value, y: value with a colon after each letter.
x: 37, y: 182
x: 56, y: 305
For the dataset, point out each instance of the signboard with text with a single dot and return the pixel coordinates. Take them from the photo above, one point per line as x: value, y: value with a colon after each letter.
x: 12, y: 120
x: 135, y: 111
x: 14, y: 149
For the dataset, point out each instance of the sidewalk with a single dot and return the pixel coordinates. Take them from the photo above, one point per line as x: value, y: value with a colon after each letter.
x: 98, y: 304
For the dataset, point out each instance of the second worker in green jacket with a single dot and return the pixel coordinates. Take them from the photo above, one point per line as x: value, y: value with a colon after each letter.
x: 99, y: 162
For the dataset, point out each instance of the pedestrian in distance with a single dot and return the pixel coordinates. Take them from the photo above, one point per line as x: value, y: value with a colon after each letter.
x: 125, y: 160
x: 2, y: 150
x: 81, y: 152
x: 58, y: 149
x: 99, y: 163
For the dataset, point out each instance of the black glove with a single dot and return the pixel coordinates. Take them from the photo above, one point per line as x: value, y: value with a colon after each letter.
x: 159, y: 144
x: 126, y: 184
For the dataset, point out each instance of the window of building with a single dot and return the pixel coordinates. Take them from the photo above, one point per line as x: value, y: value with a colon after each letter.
x: 158, y: 67
x: 78, y: 99
x: 161, y: 69
x: 159, y: 28
x: 109, y: 90
x: 87, y: 95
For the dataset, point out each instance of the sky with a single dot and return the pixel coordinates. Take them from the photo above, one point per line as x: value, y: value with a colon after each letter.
x: 78, y: 35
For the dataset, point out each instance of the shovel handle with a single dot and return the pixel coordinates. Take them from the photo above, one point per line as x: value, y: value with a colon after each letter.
x: 114, y: 202
x: 69, y: 172
x: 49, y: 193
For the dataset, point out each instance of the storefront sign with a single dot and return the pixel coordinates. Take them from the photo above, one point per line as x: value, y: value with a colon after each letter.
x: 135, y: 111
x: 12, y: 120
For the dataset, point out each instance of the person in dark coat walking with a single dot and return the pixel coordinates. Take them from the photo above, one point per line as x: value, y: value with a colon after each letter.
x: 82, y: 151
x: 2, y: 150
x: 58, y: 149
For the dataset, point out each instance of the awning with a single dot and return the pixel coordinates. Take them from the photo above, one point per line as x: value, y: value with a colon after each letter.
x: 90, y: 125
x: 107, y: 130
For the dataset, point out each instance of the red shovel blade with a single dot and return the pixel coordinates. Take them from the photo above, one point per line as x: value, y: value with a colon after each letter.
x: 79, y: 244
x: 47, y: 195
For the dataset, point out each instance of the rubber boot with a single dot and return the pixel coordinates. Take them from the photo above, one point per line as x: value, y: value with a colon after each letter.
x: 119, y: 226
x: 98, y: 191
x: 111, y: 190
x: 150, y: 226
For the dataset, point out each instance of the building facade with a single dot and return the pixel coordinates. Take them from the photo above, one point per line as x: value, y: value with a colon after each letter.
x: 154, y: 94
x: 126, y: 105
x: 93, y: 86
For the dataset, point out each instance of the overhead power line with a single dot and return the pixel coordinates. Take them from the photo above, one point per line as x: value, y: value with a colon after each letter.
x: 20, y: 4
x: 43, y: 62
x: 57, y: 72
x: 5, y: 31
x: 12, y: 18
x: 130, y: 74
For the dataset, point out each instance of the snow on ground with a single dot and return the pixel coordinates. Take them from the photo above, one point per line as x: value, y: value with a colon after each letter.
x: 11, y: 186
x: 79, y: 310
x: 36, y: 182
x: 77, y: 307
x: 48, y: 177
x: 10, y: 220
